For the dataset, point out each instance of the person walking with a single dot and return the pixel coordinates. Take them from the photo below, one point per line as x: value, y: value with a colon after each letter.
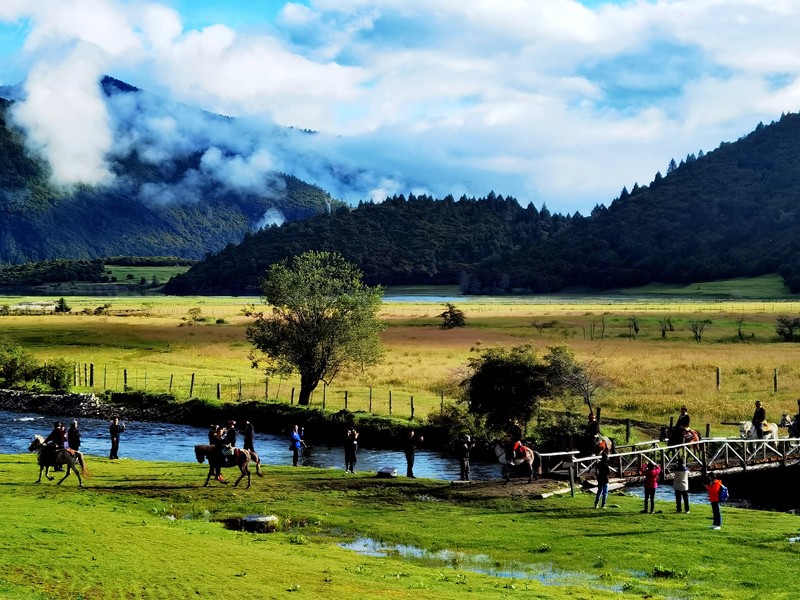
x: 296, y: 443
x: 350, y: 450
x: 249, y: 436
x: 603, y: 471
x: 651, y: 471
x: 466, y: 447
x: 714, y: 486
x: 681, y: 485
x: 115, y: 429
x: 409, y: 449
x: 74, y: 436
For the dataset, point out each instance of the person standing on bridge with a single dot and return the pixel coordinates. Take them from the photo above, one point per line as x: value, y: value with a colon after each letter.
x: 714, y: 486
x: 759, y: 418
x: 651, y: 471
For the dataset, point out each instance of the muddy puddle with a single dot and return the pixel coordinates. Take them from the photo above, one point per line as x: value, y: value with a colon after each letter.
x: 478, y: 563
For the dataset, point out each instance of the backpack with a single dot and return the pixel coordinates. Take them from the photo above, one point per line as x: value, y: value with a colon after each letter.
x: 723, y: 493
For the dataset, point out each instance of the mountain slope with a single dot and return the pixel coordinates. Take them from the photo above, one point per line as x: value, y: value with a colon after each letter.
x: 730, y: 213
x: 155, y: 206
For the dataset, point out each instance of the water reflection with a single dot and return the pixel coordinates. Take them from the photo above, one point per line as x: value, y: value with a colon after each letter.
x: 168, y: 442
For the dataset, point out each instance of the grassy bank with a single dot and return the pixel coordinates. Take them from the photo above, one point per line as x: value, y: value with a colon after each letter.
x: 148, y: 530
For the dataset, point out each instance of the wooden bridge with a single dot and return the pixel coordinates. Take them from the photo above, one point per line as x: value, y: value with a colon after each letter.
x: 720, y: 455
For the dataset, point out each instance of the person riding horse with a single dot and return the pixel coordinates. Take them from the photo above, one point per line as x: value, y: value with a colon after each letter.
x: 684, y: 420
x: 759, y: 418
x: 515, y: 432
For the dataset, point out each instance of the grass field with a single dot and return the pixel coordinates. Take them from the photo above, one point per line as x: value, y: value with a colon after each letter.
x: 148, y: 530
x: 152, y: 340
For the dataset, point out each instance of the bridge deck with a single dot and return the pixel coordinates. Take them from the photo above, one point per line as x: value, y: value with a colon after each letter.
x: 721, y: 455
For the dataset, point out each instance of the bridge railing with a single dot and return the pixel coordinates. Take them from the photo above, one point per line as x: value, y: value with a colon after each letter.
x: 705, y: 455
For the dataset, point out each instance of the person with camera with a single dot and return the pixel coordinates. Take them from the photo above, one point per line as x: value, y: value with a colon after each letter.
x: 350, y: 450
x: 115, y: 429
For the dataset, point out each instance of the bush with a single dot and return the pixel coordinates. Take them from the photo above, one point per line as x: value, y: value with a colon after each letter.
x: 57, y: 375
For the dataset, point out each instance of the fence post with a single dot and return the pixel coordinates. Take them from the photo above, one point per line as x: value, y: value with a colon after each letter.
x: 324, y: 394
x: 370, y: 399
x: 75, y: 374
x: 170, y: 381
x: 572, y: 479
x: 627, y: 431
x: 775, y: 380
x: 91, y: 375
x: 719, y: 378
x: 124, y: 380
x: 345, y: 399
x: 390, y: 403
x: 105, y: 373
x: 266, y: 388
x: 412, y: 407
x: 291, y: 401
x: 441, y: 406
x: 708, y: 430
x: 191, y: 387
x: 240, y: 389
x: 219, y: 390
x: 86, y: 374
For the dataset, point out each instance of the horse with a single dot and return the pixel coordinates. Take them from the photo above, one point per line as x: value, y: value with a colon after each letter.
x: 530, y: 464
x: 748, y: 432
x: 238, y: 458
x: 49, y: 456
x: 594, y: 445
x: 676, y: 436
x: 793, y: 425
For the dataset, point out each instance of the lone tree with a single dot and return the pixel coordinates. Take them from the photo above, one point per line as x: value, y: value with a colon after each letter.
x: 452, y: 317
x: 505, y: 384
x: 323, y: 319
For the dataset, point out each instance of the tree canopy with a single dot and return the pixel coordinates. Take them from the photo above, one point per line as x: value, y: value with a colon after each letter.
x: 322, y: 319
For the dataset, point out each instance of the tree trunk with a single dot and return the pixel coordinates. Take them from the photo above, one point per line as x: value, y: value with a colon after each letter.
x: 307, y: 385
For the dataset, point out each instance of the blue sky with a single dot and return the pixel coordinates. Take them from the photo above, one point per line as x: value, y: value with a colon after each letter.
x: 557, y: 102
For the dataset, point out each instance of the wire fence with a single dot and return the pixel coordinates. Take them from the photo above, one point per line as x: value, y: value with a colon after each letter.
x: 379, y: 401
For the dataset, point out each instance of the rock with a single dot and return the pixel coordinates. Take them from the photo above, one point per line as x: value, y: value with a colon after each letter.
x: 260, y: 523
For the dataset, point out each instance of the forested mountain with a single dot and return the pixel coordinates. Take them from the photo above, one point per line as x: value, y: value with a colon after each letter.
x: 732, y: 212
x: 399, y: 241
x: 140, y: 214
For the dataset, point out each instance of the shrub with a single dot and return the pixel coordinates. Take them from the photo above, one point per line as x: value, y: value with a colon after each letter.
x: 56, y: 375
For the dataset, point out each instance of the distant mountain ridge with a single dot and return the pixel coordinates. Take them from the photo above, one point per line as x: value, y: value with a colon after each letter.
x: 40, y: 222
x: 733, y: 212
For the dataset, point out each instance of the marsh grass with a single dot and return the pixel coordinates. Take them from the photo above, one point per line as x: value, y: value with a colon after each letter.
x: 148, y: 530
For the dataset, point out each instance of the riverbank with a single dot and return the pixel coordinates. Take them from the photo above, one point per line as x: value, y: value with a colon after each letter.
x: 149, y: 530
x: 268, y: 417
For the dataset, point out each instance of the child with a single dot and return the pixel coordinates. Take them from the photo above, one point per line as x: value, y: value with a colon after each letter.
x: 714, y: 485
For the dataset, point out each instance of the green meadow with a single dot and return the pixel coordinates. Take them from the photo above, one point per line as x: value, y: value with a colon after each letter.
x: 149, y: 530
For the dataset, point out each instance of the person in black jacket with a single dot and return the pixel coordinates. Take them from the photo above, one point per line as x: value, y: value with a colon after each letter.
x: 74, y: 436
x: 410, y: 450
x: 463, y: 459
x: 603, y: 471
x: 350, y: 450
x: 115, y: 429
x: 249, y: 436
x: 759, y: 417
x: 56, y: 441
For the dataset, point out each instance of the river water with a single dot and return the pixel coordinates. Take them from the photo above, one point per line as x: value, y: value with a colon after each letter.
x: 175, y: 443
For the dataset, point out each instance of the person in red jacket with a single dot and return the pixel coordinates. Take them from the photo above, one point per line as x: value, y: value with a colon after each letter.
x: 714, y: 485
x: 651, y: 471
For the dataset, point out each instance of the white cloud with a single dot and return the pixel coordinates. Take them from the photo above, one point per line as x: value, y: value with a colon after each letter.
x: 546, y: 100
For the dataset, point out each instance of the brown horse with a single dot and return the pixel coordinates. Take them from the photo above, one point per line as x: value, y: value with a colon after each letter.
x: 48, y: 456
x: 530, y: 464
x: 239, y: 458
x: 681, y: 435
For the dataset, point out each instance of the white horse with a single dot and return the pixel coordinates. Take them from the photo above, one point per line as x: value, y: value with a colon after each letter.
x: 748, y: 432
x: 530, y: 464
